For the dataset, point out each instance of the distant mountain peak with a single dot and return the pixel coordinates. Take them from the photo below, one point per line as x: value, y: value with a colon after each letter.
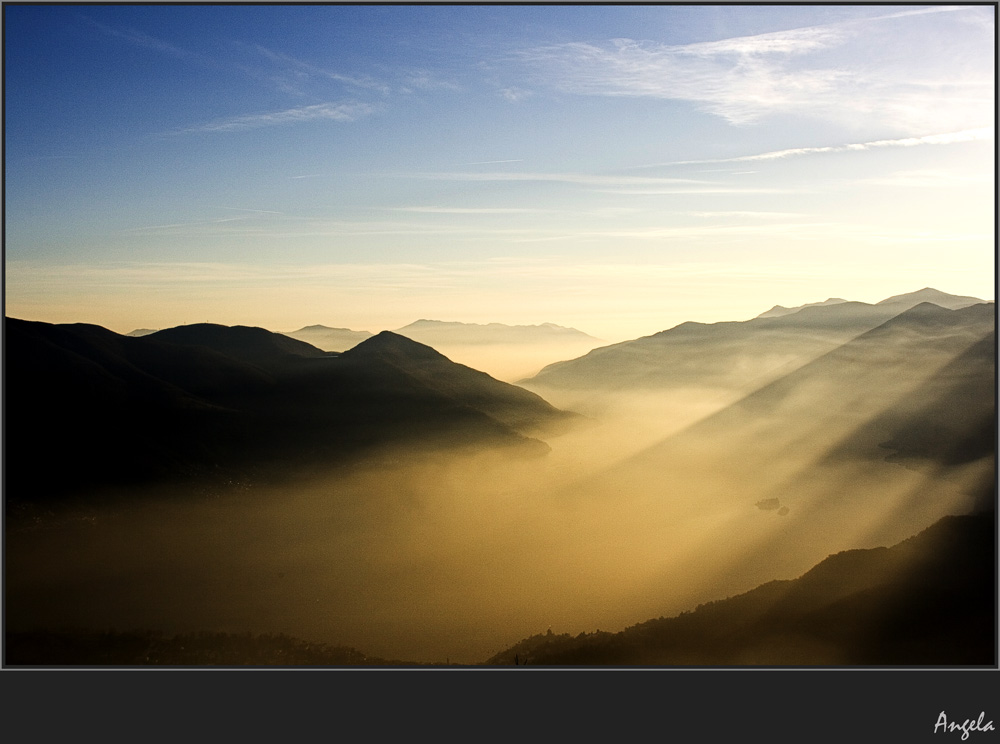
x: 935, y: 296
x: 445, y: 332
x: 319, y: 328
x: 779, y: 310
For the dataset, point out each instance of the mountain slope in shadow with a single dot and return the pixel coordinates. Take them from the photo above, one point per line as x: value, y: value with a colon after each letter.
x: 843, y: 389
x: 929, y: 600
x: 88, y: 408
x: 948, y: 420
x: 794, y: 470
x: 730, y: 355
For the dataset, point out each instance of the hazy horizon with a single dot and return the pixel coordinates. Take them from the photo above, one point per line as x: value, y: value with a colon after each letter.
x: 618, y: 170
x: 671, y: 492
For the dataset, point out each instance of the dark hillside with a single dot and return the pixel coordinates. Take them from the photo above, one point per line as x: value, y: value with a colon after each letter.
x: 89, y: 408
x: 926, y: 601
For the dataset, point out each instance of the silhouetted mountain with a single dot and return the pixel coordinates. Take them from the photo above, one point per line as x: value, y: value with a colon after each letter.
x: 814, y: 442
x: 243, y: 343
x: 87, y: 407
x: 441, y: 333
x: 729, y: 355
x: 141, y: 332
x: 778, y: 310
x: 329, y: 339
x: 928, y: 600
x: 843, y: 391
x: 513, y: 406
x: 948, y: 420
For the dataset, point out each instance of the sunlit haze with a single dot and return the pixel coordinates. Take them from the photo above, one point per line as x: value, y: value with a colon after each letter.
x: 613, y: 169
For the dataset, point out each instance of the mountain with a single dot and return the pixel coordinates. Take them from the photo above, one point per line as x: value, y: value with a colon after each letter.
x: 922, y: 383
x: 872, y: 441
x: 141, y: 332
x: 88, y: 408
x: 777, y: 310
x: 329, y: 339
x: 928, y: 600
x: 438, y: 333
x: 513, y: 406
x: 949, y: 420
x: 248, y: 344
x: 934, y: 296
x: 874, y: 368
x: 727, y: 356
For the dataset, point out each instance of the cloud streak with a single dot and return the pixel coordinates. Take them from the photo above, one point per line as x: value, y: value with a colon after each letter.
x: 354, y: 81
x: 144, y: 40
x: 584, y: 179
x: 345, y: 111
x: 949, y: 138
x: 473, y: 210
x: 817, y: 71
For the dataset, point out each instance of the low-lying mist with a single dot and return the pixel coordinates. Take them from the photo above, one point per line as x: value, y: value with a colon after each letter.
x: 453, y: 557
x: 512, y: 362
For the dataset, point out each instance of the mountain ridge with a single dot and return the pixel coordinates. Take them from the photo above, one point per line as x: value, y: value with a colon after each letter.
x: 450, y: 333
x: 237, y: 400
x: 729, y: 355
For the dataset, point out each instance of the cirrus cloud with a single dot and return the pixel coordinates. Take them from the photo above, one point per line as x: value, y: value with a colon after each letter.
x: 845, y: 71
x: 344, y: 111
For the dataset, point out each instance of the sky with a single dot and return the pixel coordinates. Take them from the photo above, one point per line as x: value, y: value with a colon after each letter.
x: 617, y: 169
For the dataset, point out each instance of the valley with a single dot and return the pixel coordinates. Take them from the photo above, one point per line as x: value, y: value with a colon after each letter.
x: 388, y: 499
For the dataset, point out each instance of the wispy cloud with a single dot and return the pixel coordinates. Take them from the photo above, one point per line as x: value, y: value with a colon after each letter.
x: 299, y: 66
x: 967, y: 135
x: 585, y: 179
x: 736, y: 80
x: 256, y: 211
x: 699, y: 190
x: 838, y: 71
x: 144, y: 40
x: 472, y: 210
x: 412, y: 80
x: 493, y: 162
x: 344, y: 111
x: 515, y: 94
x: 730, y: 214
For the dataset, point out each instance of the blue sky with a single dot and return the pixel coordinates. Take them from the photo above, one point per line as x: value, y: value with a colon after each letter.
x: 619, y: 169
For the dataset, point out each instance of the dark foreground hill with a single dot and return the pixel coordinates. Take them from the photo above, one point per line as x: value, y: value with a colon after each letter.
x: 929, y: 600
x: 88, y: 408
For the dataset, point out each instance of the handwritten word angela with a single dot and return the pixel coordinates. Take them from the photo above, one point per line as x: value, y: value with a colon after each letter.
x: 966, y: 727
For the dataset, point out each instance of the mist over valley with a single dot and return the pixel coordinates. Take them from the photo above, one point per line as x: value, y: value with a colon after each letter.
x: 385, y: 498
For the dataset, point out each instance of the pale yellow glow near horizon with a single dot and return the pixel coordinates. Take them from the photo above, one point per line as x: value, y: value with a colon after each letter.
x: 611, y: 301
